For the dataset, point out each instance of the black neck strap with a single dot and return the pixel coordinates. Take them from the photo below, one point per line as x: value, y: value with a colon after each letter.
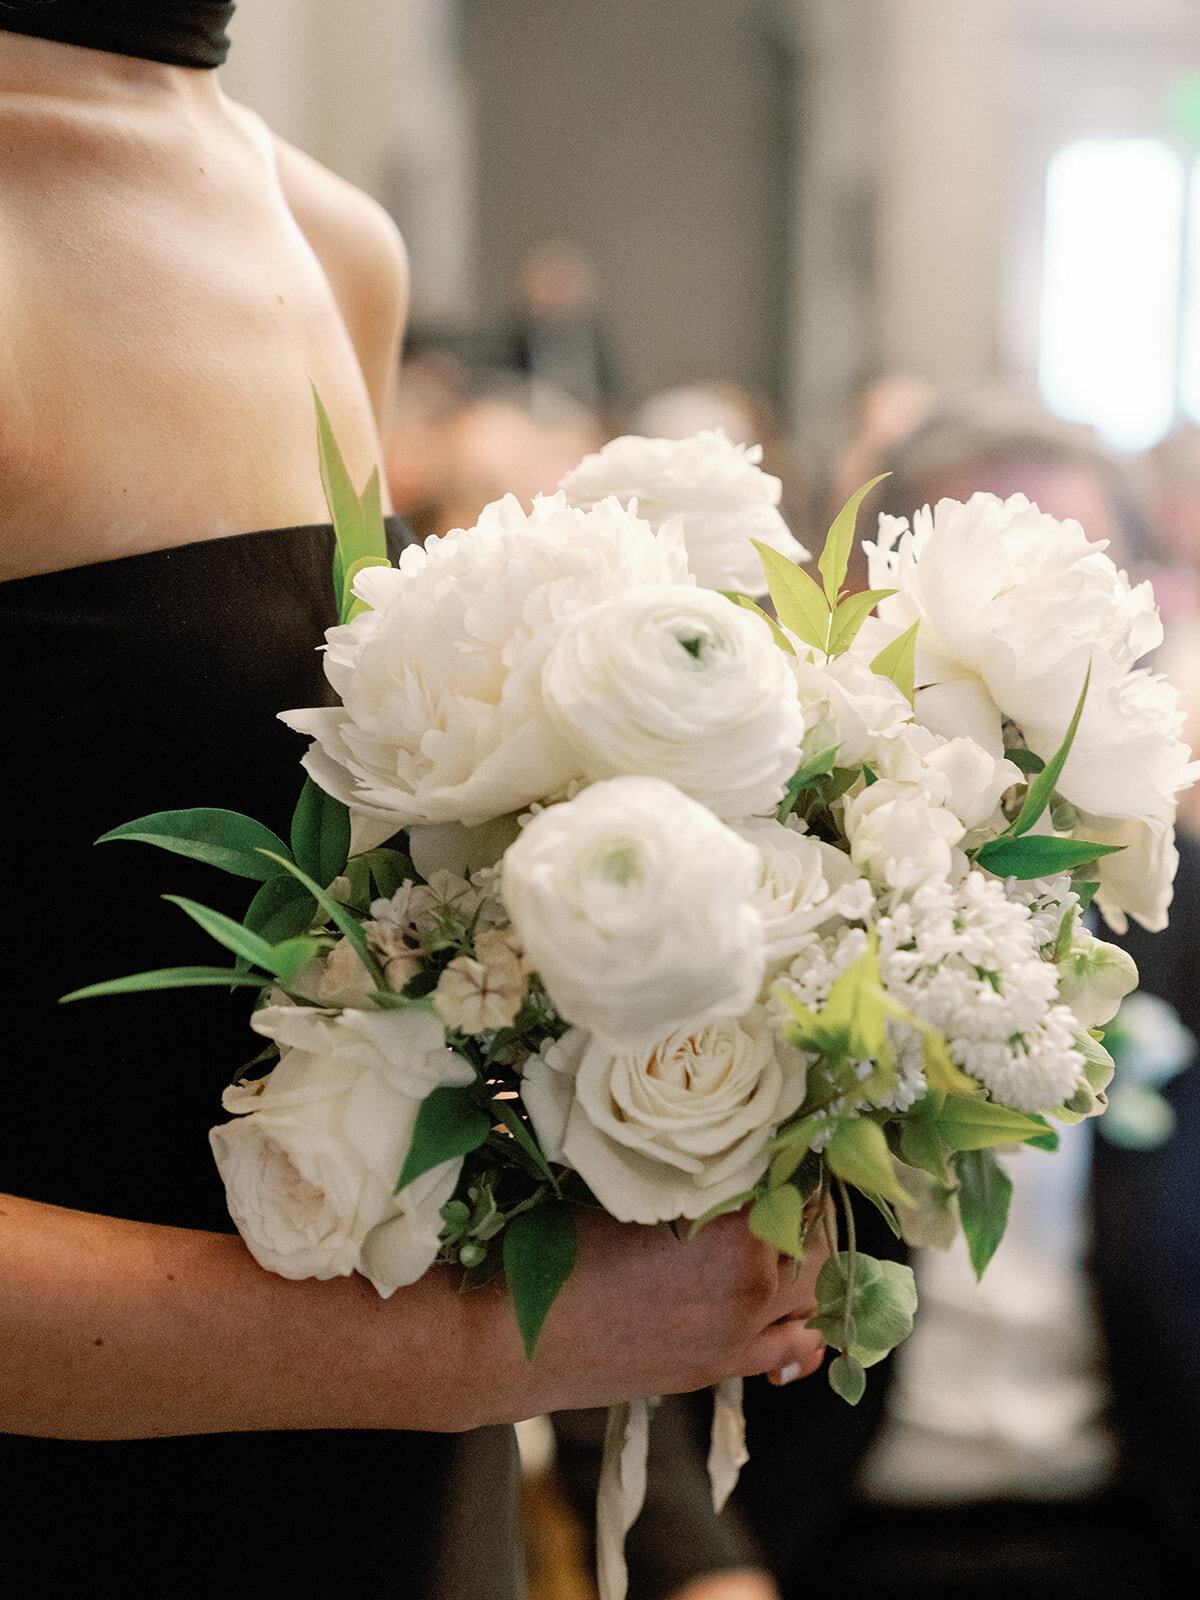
x: 182, y: 33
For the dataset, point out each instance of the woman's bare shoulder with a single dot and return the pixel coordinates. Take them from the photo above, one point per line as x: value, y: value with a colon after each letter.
x: 363, y: 256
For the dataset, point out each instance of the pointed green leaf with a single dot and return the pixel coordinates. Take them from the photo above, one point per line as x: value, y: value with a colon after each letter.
x: 967, y: 1123
x: 224, y: 839
x: 450, y: 1123
x: 898, y: 661
x: 777, y: 1218
x: 1037, y: 796
x: 1026, y: 760
x: 357, y: 523
x: 721, y: 1209
x: 835, y: 557
x: 858, y: 1153
x: 1037, y: 855
x: 241, y: 940
x: 847, y: 1379
x: 504, y: 1111
x: 289, y: 956
x: 747, y: 604
x: 342, y: 919
x: 798, y: 601
x: 850, y: 615
x: 282, y: 909
x: 355, y: 606
x: 985, y: 1190
x: 539, y: 1253
x: 170, y: 978
x: 320, y: 833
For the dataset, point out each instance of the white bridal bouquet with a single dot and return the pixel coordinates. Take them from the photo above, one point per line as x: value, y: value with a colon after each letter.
x: 608, y: 887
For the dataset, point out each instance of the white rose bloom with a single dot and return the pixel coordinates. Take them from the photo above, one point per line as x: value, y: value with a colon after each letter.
x: 861, y: 705
x: 804, y: 883
x: 1013, y: 605
x: 669, y: 1130
x: 678, y: 684
x: 442, y: 717
x: 633, y: 904
x: 716, y: 486
x: 901, y: 837
x: 311, y: 1160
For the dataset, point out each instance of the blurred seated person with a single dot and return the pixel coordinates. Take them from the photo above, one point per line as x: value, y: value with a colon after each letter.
x: 558, y: 336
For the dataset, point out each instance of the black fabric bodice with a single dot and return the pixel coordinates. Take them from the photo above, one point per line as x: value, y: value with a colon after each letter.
x: 149, y: 683
x: 182, y: 33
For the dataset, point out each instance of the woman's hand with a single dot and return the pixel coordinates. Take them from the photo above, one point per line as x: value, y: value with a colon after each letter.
x: 646, y: 1313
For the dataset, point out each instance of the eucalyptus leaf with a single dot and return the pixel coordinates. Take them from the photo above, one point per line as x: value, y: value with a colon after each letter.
x: 539, y: 1250
x: 984, y: 1193
x: 835, y: 557
x: 224, y: 839
x: 798, y: 601
x: 450, y: 1123
x: 1037, y: 855
x: 170, y: 978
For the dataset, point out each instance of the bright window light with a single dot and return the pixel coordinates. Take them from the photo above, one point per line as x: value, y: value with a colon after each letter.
x: 1110, y: 294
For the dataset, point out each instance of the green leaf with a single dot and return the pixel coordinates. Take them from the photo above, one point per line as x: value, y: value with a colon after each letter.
x: 839, y: 541
x: 224, y: 839
x: 850, y: 615
x: 1037, y: 796
x: 964, y: 1122
x: 320, y: 833
x: 1086, y: 893
x: 920, y: 1143
x: 342, y: 919
x: 858, y: 1153
x: 722, y: 1209
x: 804, y: 778
x: 450, y: 1123
x: 898, y: 661
x: 170, y: 978
x: 357, y: 523
x: 504, y: 1111
x: 798, y: 601
x: 777, y: 1218
x: 355, y: 606
x: 747, y: 604
x: 241, y: 940
x: 282, y: 909
x: 539, y: 1253
x: 289, y: 956
x: 847, y: 1379
x: 388, y: 869
x: 1037, y: 855
x: 864, y: 1306
x: 790, y: 1147
x: 1026, y: 760
x: 985, y: 1190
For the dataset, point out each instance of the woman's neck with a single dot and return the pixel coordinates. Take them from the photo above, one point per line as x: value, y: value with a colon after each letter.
x: 46, y: 67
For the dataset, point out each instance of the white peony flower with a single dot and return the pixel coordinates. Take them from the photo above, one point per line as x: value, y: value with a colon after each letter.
x: 632, y: 903
x: 678, y: 684
x: 717, y: 487
x: 1139, y: 879
x: 311, y: 1160
x: 860, y: 705
x: 803, y: 884
x: 955, y: 773
x: 442, y: 718
x: 671, y: 1129
x: 1013, y: 606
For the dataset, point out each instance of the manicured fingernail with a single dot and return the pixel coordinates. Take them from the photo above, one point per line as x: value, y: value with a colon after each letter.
x: 790, y: 1374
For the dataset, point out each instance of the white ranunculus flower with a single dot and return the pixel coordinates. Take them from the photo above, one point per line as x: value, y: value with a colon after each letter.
x: 633, y: 904
x: 900, y: 836
x: 311, y: 1160
x: 670, y: 1129
x: 678, y: 684
x: 803, y: 884
x: 716, y: 486
x: 1013, y: 606
x: 442, y: 718
x: 861, y: 705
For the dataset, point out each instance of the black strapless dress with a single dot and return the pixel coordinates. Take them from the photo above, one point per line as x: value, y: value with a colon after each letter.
x: 143, y: 684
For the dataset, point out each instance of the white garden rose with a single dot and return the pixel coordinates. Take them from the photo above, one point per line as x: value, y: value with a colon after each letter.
x: 901, y: 837
x: 442, y: 718
x: 1013, y: 607
x: 671, y: 1129
x: 859, y: 705
x: 632, y: 903
x: 678, y: 684
x: 311, y: 1160
x: 804, y: 883
x: 716, y: 486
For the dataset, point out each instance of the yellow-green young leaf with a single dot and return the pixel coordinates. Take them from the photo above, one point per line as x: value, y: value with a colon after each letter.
x: 835, y: 557
x: 777, y: 1218
x: 353, y: 605
x: 792, y: 1145
x: 847, y: 1379
x: 858, y: 1153
x: 850, y: 615
x: 940, y: 1071
x: 747, y: 604
x: 932, y: 1221
x: 898, y: 661
x: 969, y: 1122
x: 357, y: 522
x: 854, y: 1010
x: 799, y: 603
